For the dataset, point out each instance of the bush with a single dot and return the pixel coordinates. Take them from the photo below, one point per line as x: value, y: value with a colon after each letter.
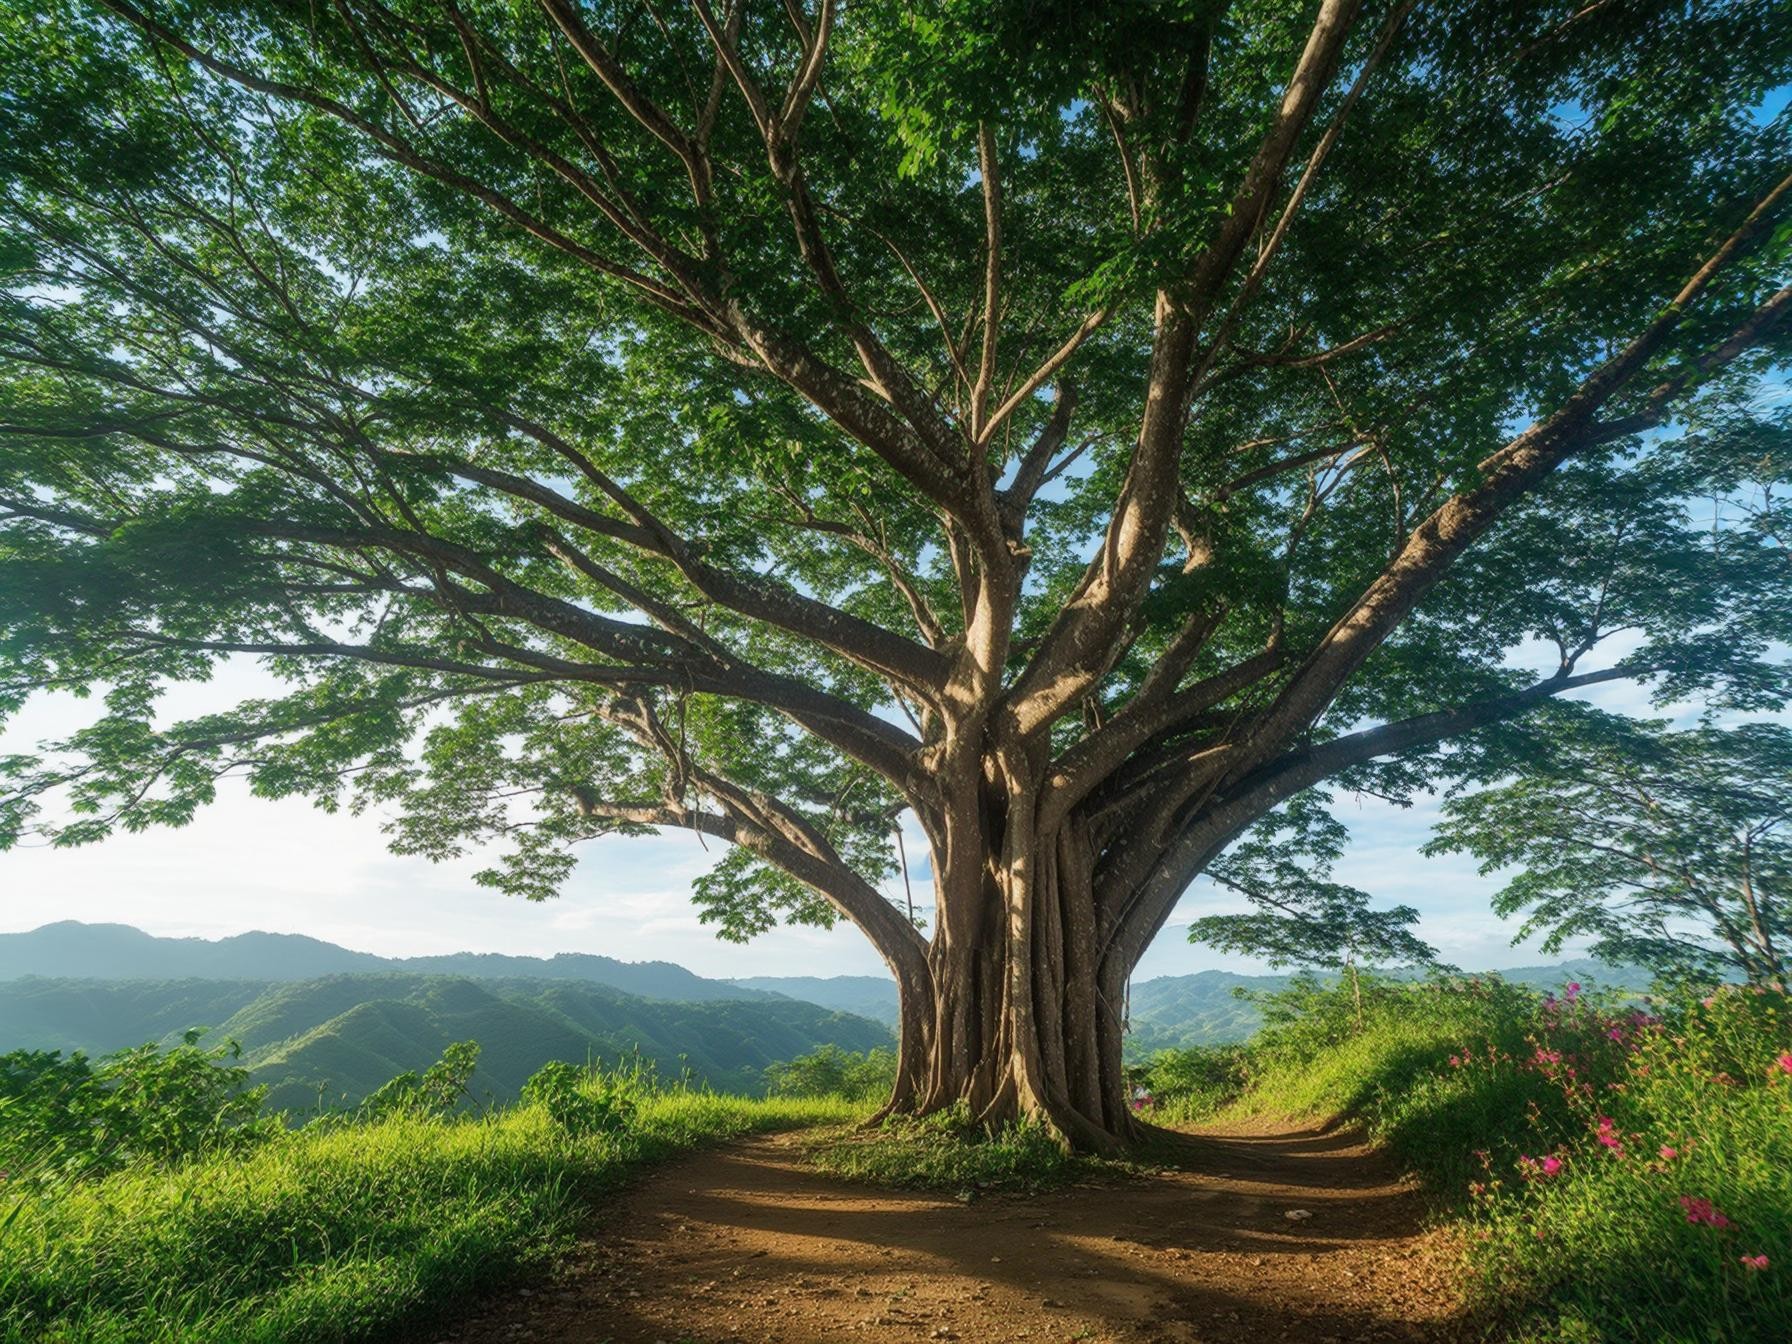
x: 833, y: 1072
x: 582, y: 1102
x: 438, y: 1090
x: 1625, y: 1168
x: 1189, y: 1085
x: 1655, y: 1201
x: 66, y: 1119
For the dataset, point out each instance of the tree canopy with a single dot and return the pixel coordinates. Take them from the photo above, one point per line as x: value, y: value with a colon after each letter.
x: 1081, y: 426
x: 1671, y: 850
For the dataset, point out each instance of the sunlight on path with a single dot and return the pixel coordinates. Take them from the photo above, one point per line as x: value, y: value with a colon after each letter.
x: 746, y: 1244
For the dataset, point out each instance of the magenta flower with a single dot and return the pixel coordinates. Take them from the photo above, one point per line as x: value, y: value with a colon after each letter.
x: 1573, y: 991
x: 1608, y: 1135
x: 1783, y: 1063
x: 1551, y: 1166
x: 1701, y: 1212
x: 1753, y: 1262
x: 1669, y: 1154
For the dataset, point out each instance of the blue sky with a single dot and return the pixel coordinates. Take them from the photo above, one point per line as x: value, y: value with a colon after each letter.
x: 248, y: 863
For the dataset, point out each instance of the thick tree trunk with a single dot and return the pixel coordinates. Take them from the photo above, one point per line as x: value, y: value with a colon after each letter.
x: 1019, y: 1017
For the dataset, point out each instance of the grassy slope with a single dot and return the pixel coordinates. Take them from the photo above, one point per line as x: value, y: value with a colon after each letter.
x: 1474, y: 1089
x: 334, y: 1234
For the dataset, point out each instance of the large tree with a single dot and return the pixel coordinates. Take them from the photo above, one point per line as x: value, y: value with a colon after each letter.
x: 1078, y: 427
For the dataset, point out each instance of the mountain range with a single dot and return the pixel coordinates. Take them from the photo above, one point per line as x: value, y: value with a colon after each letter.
x: 315, y: 1019
x: 335, y: 1039
x: 119, y: 952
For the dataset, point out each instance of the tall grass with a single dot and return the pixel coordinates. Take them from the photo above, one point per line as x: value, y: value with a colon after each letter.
x: 337, y: 1232
x: 1623, y: 1171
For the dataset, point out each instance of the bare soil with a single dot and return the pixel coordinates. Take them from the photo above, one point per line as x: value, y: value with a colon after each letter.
x: 747, y: 1244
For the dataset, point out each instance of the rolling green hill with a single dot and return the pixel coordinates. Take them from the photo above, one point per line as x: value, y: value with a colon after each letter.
x: 872, y: 996
x: 339, y: 1037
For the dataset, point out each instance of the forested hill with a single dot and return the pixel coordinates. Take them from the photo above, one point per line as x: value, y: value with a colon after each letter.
x: 340, y: 1037
x: 872, y: 996
x: 120, y: 952
x: 218, y: 979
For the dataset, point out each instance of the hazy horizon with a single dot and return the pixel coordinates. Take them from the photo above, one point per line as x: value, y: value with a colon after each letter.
x: 248, y: 864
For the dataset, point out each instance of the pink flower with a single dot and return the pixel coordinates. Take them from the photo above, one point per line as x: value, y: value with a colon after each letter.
x: 1608, y: 1135
x: 1615, y: 1034
x: 1551, y: 1166
x: 1702, y: 1212
x: 1783, y: 1063
x: 1669, y: 1154
x: 1573, y: 991
x: 1753, y: 1262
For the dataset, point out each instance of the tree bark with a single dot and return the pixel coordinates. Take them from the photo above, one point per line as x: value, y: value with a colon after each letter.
x: 1018, y: 1018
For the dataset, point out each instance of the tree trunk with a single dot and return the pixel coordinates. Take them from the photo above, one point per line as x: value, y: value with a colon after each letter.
x: 1018, y: 1017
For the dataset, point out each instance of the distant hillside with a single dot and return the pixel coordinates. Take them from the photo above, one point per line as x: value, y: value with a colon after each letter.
x: 229, y: 978
x: 119, y: 952
x: 872, y: 996
x: 1203, y: 1009
x: 342, y: 1036
x: 1199, y: 1009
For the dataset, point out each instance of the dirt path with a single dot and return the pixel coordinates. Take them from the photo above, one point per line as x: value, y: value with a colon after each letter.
x: 748, y: 1244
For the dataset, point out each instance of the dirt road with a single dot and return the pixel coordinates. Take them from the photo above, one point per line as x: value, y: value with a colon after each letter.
x: 746, y: 1244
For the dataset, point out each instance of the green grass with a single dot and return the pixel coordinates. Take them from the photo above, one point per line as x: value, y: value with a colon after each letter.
x: 1565, y: 1136
x: 946, y: 1152
x: 338, y: 1233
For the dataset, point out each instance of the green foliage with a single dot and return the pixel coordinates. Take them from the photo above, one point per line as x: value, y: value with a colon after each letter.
x: 833, y: 1072
x: 1300, y: 917
x: 947, y: 1151
x: 436, y: 1091
x: 1669, y: 849
x: 1189, y: 1085
x: 360, y: 339
x: 342, y: 1233
x: 583, y: 1102
x: 1619, y: 1164
x: 67, y: 1118
x: 334, y: 1041
x: 1654, y: 1200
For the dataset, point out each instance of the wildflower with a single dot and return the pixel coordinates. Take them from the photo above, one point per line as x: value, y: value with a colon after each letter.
x: 1551, y: 1166
x: 1669, y: 1154
x: 1615, y: 1034
x: 1702, y: 1212
x: 1573, y: 991
x: 1783, y: 1063
x: 1608, y: 1135
x: 1455, y: 1061
x: 1753, y: 1262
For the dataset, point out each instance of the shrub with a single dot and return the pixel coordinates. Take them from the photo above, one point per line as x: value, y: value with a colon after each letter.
x: 66, y: 1118
x: 1187, y: 1085
x: 582, y: 1101
x: 832, y: 1072
x: 1624, y: 1167
x: 1656, y: 1200
x: 438, y: 1090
